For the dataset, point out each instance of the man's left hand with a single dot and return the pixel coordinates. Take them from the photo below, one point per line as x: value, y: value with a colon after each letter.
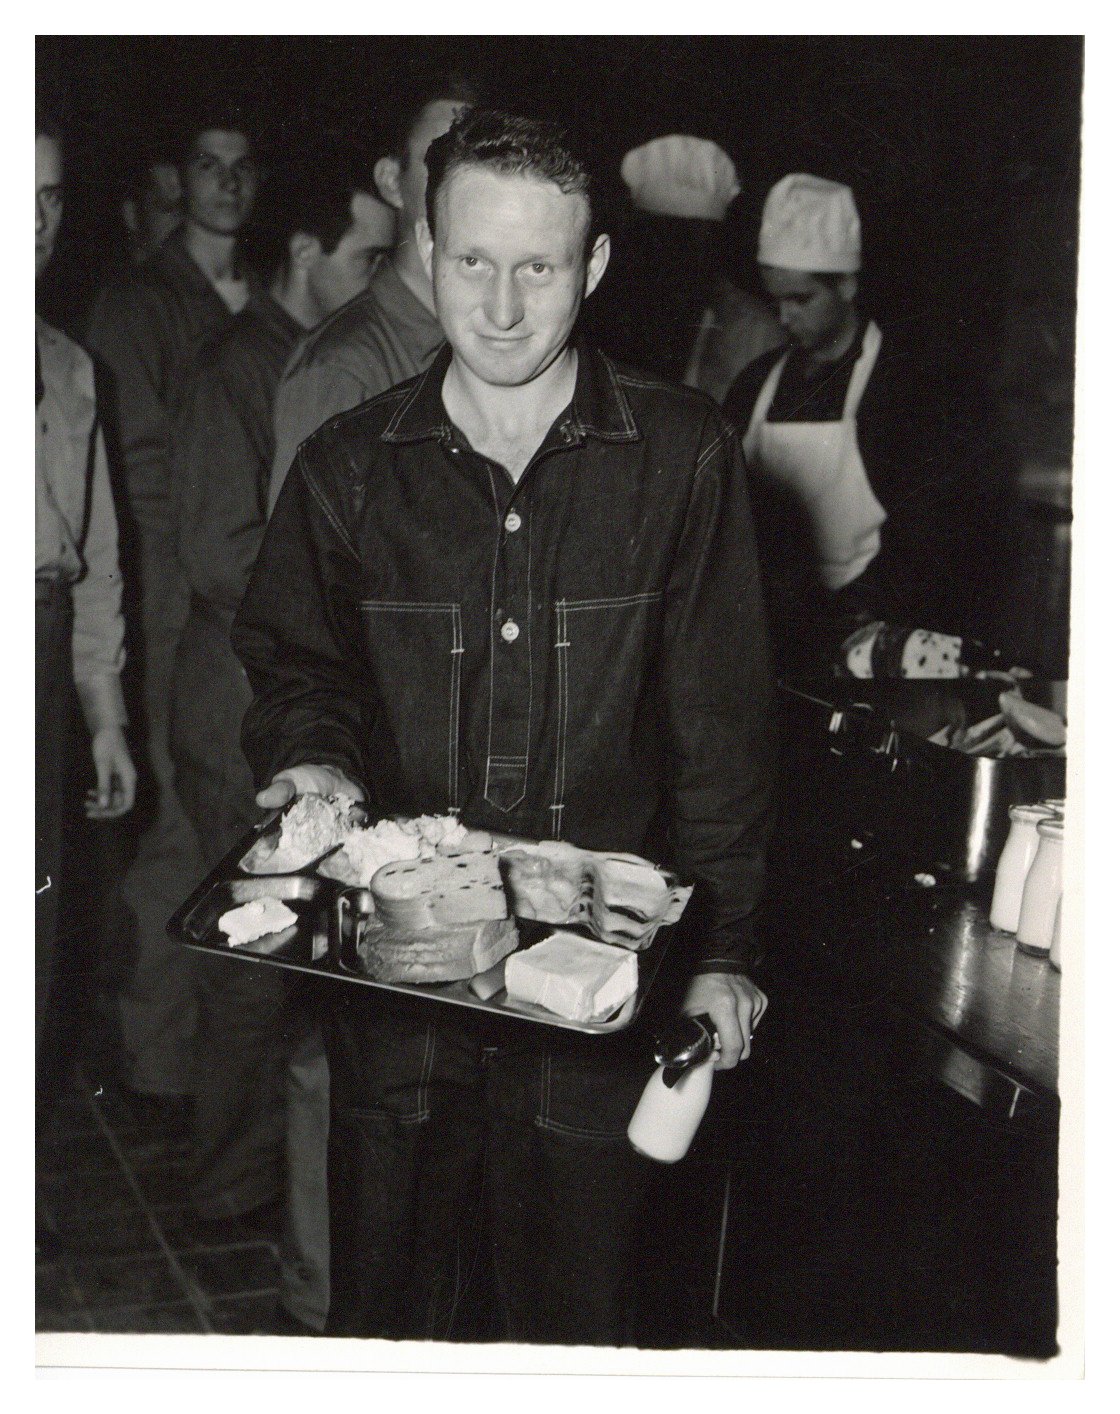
x: 115, y: 791
x: 735, y: 1005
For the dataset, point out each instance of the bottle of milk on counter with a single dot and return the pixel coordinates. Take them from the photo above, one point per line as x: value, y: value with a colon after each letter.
x: 1014, y: 864
x: 1056, y: 940
x: 1043, y: 890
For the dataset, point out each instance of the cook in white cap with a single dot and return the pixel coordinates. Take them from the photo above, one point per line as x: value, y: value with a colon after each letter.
x: 800, y: 407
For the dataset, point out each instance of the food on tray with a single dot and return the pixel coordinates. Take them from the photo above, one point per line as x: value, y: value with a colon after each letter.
x: 255, y: 919
x: 427, y: 955
x: 365, y: 850
x: 574, y: 977
x: 442, y: 890
x: 309, y: 827
x: 547, y: 882
x: 621, y: 898
x: 314, y: 824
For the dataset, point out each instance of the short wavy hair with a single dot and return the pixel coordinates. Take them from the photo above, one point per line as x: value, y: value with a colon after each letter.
x: 512, y: 146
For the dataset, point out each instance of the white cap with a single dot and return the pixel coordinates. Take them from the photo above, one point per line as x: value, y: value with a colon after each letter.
x: 810, y: 224
x: 681, y: 176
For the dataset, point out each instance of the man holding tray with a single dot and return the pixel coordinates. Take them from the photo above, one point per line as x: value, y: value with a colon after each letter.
x: 521, y: 586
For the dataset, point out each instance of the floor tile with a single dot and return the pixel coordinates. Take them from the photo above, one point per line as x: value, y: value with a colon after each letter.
x: 179, y: 1318
x: 127, y: 1280
x: 233, y: 1270
x: 83, y: 1193
x: 245, y: 1315
x: 119, y: 1226
x: 79, y: 1154
x: 64, y: 1319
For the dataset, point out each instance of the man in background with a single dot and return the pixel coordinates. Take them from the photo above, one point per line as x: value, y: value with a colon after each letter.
x: 391, y: 332
x: 152, y: 206
x: 146, y: 331
x: 322, y: 232
x: 79, y: 627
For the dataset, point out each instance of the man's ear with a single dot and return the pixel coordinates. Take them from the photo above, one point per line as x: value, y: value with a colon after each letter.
x: 130, y: 216
x: 387, y: 179
x: 597, y: 262
x: 303, y: 250
x: 848, y: 287
x: 425, y: 244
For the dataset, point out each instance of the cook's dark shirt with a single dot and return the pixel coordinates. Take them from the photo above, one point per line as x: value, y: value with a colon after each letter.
x: 223, y: 446
x: 580, y: 655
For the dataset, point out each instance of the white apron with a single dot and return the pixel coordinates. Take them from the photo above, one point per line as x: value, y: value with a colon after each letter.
x: 820, y: 464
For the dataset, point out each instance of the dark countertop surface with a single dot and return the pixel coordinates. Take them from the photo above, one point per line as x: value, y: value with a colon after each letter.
x: 924, y: 962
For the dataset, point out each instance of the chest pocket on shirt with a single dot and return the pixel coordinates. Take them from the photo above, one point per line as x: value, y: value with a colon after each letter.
x: 602, y: 647
x: 416, y: 651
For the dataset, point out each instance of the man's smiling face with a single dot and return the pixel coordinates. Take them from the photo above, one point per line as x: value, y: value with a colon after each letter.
x: 510, y: 269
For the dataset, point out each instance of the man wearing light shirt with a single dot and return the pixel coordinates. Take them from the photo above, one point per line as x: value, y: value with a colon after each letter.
x: 79, y: 628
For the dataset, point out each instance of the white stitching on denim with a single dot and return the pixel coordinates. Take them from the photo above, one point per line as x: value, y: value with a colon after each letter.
x: 426, y: 1072
x: 557, y: 806
x: 390, y: 606
x: 325, y: 507
x: 404, y: 606
x: 705, y: 457
x: 394, y: 422
x: 453, y: 716
x: 562, y: 644
x: 624, y: 601
x: 624, y: 406
x: 491, y: 758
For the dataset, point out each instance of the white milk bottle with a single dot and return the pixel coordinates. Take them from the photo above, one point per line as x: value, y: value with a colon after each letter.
x: 1042, y: 891
x: 673, y: 1103
x: 1014, y: 864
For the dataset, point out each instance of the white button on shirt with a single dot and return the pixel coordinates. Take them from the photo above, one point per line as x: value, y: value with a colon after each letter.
x: 510, y: 630
x: 513, y: 522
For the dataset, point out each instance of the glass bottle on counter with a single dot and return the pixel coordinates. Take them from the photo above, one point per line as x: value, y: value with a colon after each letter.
x: 1014, y: 864
x: 1056, y: 940
x: 1043, y: 890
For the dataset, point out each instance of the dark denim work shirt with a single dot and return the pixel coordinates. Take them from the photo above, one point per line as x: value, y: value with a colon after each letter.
x: 580, y: 655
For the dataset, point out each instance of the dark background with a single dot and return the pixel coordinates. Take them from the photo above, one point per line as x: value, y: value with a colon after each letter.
x: 963, y: 152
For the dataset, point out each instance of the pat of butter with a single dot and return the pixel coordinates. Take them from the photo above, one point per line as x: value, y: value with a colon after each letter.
x: 574, y: 977
x: 255, y: 919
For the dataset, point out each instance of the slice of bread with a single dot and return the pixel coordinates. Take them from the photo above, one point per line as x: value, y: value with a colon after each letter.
x: 444, y: 890
x: 430, y: 955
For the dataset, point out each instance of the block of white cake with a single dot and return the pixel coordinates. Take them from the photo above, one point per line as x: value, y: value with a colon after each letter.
x: 574, y: 977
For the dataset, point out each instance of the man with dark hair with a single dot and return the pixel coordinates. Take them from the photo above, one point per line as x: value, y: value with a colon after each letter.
x: 520, y: 586
x: 391, y: 332
x: 152, y: 205
x: 79, y: 628
x: 147, y: 330
x: 325, y: 229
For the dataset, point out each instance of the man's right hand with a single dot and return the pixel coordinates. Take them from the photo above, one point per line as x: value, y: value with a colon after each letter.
x: 305, y: 780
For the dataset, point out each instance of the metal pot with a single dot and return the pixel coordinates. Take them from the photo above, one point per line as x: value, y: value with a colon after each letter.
x: 878, y: 777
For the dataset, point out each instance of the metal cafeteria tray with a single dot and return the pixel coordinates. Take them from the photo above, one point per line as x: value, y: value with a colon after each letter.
x: 325, y: 939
